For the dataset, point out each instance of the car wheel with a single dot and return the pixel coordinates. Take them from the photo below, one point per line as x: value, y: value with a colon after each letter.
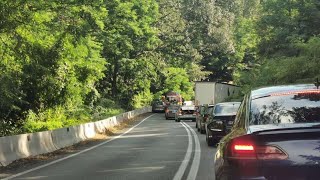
x: 202, y: 131
x: 178, y: 120
x: 210, y: 141
x: 197, y: 125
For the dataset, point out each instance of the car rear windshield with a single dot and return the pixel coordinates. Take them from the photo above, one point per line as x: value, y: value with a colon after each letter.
x: 187, y: 111
x: 289, y: 107
x: 157, y: 103
x: 173, y: 107
x: 226, y: 109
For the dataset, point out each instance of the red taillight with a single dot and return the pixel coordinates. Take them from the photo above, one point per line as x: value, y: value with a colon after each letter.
x: 243, y: 147
x: 246, y: 149
x: 270, y: 152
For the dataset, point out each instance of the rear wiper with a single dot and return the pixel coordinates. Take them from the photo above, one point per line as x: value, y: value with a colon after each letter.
x: 261, y: 97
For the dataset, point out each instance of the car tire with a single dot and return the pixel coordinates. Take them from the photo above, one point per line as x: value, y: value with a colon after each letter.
x: 210, y: 141
x: 202, y: 131
x: 178, y: 120
x: 197, y: 125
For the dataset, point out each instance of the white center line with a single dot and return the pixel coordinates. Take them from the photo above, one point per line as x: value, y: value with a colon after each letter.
x: 185, y: 162
x: 76, y: 154
x: 197, y: 155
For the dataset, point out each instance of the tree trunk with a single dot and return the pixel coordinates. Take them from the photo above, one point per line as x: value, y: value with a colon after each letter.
x: 114, y: 77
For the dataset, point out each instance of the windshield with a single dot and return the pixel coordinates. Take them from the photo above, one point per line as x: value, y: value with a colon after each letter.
x: 286, y: 108
x: 173, y: 107
x: 226, y: 109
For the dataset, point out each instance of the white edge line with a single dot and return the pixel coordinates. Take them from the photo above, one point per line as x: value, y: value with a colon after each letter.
x: 197, y: 155
x: 187, y: 157
x: 76, y: 154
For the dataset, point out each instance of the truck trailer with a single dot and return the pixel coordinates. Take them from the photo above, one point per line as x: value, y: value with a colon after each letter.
x: 213, y: 92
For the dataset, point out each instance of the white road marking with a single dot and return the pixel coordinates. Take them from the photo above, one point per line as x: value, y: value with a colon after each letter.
x: 187, y: 157
x: 76, y: 154
x: 197, y: 155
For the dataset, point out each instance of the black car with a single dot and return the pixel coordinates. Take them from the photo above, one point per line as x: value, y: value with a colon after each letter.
x: 158, y: 106
x: 276, y: 135
x: 220, y: 121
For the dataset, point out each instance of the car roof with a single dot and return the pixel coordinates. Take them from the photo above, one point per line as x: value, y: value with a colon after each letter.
x: 260, y: 92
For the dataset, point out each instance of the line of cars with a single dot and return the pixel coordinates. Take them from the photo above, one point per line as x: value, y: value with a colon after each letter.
x: 185, y: 112
x: 272, y: 134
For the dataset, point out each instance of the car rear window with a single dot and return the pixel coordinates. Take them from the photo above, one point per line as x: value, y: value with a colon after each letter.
x: 210, y: 109
x: 158, y: 103
x: 226, y: 109
x: 173, y: 107
x: 188, y: 111
x: 288, y: 107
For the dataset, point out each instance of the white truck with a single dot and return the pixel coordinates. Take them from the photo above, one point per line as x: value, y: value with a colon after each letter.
x: 213, y: 92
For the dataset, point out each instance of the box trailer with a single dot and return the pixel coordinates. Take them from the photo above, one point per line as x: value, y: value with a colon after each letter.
x: 213, y: 92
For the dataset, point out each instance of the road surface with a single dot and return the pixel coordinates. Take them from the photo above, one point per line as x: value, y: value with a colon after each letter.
x: 154, y: 148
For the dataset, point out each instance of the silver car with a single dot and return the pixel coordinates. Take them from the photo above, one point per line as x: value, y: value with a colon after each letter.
x: 186, y: 113
x: 171, y: 111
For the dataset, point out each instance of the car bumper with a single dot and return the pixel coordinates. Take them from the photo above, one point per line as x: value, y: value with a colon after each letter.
x: 216, y: 135
x: 187, y: 117
x: 170, y: 115
x: 158, y: 110
x: 254, y: 170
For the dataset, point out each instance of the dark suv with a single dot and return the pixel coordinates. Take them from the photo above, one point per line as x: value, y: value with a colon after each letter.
x: 220, y: 121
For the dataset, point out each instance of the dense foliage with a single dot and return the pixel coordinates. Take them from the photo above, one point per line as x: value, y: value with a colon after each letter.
x: 68, y: 62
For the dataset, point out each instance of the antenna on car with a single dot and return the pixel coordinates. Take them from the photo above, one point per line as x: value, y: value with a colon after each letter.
x: 317, y: 83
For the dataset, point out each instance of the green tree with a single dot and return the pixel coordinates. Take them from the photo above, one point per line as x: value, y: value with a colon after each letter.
x: 177, y: 80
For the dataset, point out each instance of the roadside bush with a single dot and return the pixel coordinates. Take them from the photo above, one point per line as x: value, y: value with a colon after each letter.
x: 54, y: 118
x: 105, y: 108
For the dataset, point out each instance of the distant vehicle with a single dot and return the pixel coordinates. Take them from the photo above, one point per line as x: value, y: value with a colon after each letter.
x: 173, y: 98
x: 186, y: 113
x: 158, y: 106
x: 276, y: 135
x: 188, y: 103
x: 199, y: 114
x: 171, y: 111
x: 213, y: 92
x: 220, y: 121
x: 202, y: 117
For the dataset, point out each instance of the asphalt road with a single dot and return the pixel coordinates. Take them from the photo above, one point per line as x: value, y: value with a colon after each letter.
x: 153, y: 149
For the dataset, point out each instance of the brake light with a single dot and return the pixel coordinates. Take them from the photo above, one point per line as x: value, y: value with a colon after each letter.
x: 244, y: 148
x: 270, y: 152
x: 241, y: 147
